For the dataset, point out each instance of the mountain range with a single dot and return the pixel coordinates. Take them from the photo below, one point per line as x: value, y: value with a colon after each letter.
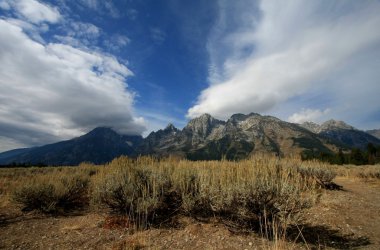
x: 203, y: 138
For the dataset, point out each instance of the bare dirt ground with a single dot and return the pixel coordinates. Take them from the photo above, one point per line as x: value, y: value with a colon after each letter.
x: 344, y: 219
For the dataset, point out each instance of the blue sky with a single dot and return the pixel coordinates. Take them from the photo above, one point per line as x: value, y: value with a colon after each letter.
x: 70, y: 66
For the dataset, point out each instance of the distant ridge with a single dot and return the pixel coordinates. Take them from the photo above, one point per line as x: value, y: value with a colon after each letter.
x: 341, y: 133
x: 203, y: 138
x: 374, y: 132
x: 98, y: 146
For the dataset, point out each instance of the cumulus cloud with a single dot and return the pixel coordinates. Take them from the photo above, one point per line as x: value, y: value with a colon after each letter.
x: 53, y: 91
x: 279, y: 51
x: 32, y: 10
x: 306, y: 115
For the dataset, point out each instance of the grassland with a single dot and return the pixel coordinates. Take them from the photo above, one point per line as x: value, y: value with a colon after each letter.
x: 265, y: 196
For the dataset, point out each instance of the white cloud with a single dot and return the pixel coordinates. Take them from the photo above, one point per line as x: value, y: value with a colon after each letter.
x: 55, y: 91
x: 116, y: 42
x: 293, y: 48
x: 308, y: 115
x: 86, y: 30
x: 32, y: 10
x: 101, y: 6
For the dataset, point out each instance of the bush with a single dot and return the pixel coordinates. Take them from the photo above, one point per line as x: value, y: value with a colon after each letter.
x: 53, y: 194
x: 321, y: 176
x: 136, y: 191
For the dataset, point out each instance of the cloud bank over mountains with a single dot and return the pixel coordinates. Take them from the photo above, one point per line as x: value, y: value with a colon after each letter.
x: 294, y: 57
x: 53, y: 91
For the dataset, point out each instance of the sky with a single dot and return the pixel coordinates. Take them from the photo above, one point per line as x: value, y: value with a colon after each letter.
x: 70, y: 66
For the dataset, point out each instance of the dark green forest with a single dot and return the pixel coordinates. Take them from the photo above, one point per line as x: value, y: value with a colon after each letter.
x: 368, y: 156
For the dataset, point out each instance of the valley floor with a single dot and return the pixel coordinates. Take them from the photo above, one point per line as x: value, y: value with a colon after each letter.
x: 348, y: 218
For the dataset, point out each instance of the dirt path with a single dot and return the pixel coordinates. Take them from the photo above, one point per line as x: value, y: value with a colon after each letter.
x: 347, y: 218
x: 343, y: 219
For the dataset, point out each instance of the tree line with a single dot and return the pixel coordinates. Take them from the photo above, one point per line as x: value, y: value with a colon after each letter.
x: 368, y: 156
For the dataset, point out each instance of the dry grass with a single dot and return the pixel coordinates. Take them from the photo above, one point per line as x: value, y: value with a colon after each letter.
x: 262, y: 193
x: 365, y: 172
x: 44, y: 186
x: 244, y: 193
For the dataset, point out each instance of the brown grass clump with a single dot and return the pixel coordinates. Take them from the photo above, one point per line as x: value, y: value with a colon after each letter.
x: 323, y: 177
x: 365, y: 172
x: 53, y: 190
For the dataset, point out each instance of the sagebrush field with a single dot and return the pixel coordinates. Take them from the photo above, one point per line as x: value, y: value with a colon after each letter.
x: 267, y: 197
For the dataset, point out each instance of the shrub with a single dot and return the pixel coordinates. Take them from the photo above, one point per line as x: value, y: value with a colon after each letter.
x: 322, y: 177
x: 369, y: 172
x: 136, y: 191
x: 53, y: 194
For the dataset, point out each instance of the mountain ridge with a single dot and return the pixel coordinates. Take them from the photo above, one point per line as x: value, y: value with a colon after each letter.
x: 342, y: 133
x: 203, y: 138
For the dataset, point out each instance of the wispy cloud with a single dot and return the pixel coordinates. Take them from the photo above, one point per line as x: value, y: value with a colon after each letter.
x: 157, y: 35
x: 101, y: 6
x: 116, y: 42
x: 305, y: 115
x: 269, y: 54
x: 132, y: 14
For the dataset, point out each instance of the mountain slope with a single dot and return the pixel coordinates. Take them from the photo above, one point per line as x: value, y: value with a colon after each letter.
x: 98, y: 146
x: 341, y: 133
x: 374, y: 132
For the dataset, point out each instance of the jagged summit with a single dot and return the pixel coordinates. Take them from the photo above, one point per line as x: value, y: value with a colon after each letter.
x: 202, y: 124
x: 201, y: 119
x: 334, y: 124
x: 171, y: 127
x: 327, y: 126
x: 342, y: 133
x: 312, y: 126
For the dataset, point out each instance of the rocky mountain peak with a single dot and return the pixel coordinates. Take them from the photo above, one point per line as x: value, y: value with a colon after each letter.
x: 242, y: 117
x: 312, y: 126
x: 202, y: 126
x: 334, y: 124
x: 171, y: 128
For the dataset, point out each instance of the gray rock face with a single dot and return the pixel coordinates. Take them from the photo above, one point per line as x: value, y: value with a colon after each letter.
x: 335, y: 125
x: 313, y: 127
x: 201, y: 127
x: 208, y: 138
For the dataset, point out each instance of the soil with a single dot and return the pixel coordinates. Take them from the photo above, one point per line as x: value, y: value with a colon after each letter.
x: 347, y: 218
